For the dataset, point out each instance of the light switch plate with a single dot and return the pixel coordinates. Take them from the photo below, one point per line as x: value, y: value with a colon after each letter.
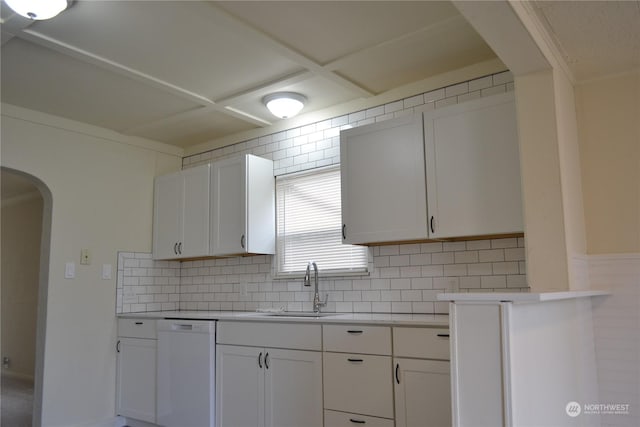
x: 106, y: 271
x: 70, y: 270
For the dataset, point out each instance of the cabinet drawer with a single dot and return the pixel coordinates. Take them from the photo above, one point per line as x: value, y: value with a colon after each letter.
x: 345, y: 419
x: 278, y: 335
x: 426, y: 343
x: 357, y: 339
x: 358, y: 383
x: 137, y: 328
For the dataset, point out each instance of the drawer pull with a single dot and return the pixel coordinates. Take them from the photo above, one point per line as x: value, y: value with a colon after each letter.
x: 260, y: 360
x: 353, y: 420
x: 443, y: 335
x: 354, y: 332
x: 266, y: 360
x: 139, y: 323
x: 355, y: 360
x: 397, y: 377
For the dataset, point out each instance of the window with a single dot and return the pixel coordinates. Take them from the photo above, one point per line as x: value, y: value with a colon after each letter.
x: 309, y: 225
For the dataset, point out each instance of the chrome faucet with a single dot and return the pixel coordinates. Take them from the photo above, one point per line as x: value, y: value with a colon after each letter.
x: 317, y: 302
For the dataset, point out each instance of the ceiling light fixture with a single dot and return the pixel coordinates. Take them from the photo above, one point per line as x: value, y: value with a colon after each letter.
x: 284, y: 104
x: 37, y: 9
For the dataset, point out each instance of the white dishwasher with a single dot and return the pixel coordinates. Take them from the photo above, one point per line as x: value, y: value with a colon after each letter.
x: 186, y: 373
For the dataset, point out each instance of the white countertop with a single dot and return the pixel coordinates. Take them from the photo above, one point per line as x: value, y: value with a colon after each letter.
x: 360, y: 318
x: 518, y: 297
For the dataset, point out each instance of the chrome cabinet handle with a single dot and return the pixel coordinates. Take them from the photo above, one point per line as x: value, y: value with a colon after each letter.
x: 175, y: 248
x: 180, y: 248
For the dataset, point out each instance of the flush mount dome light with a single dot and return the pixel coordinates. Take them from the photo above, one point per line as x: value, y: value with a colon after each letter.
x: 37, y: 9
x: 284, y: 104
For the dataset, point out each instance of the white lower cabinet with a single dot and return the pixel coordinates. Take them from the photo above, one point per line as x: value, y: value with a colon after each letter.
x: 358, y: 387
x: 136, y: 369
x: 259, y: 386
x: 423, y: 393
x: 422, y: 380
x: 265, y: 387
x: 239, y: 386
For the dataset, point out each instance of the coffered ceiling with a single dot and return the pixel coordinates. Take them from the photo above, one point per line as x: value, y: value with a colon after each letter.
x: 189, y: 72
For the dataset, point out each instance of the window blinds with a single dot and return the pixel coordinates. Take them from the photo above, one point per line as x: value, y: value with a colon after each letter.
x: 309, y: 225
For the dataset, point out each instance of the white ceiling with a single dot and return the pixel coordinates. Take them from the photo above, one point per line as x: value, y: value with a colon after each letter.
x: 596, y: 38
x: 192, y: 72
x: 188, y: 72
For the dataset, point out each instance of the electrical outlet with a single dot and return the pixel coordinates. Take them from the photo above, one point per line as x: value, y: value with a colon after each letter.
x: 85, y: 257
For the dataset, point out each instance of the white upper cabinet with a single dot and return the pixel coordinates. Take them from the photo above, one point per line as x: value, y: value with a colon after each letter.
x: 383, y: 182
x: 242, y: 206
x: 473, y: 168
x: 469, y: 156
x: 181, y: 214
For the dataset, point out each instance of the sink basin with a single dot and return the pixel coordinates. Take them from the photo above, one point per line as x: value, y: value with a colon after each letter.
x: 298, y: 314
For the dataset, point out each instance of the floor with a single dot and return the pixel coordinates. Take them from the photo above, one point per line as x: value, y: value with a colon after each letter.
x: 17, y: 402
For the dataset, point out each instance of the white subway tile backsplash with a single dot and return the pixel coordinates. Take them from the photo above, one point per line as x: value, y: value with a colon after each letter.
x: 481, y: 83
x: 501, y: 78
x: 434, y: 95
x: 457, y: 89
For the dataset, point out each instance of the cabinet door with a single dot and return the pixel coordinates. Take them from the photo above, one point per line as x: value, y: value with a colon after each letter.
x: 195, y: 240
x: 136, y: 379
x: 473, y: 168
x: 239, y: 386
x: 167, y: 215
x: 423, y: 393
x: 228, y: 207
x: 383, y: 182
x: 293, y: 388
x: 358, y: 383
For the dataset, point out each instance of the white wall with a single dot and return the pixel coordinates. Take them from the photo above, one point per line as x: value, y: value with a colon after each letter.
x: 21, y: 231
x: 609, y: 129
x: 102, y: 189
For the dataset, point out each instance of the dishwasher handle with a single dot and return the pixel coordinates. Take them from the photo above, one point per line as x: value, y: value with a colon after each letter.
x: 184, y: 325
x: 181, y: 327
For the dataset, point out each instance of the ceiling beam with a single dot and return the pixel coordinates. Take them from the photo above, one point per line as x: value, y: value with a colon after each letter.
x: 109, y: 65
x: 503, y: 30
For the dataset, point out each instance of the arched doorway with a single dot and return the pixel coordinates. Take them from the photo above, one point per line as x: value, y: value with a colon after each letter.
x: 26, y: 231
